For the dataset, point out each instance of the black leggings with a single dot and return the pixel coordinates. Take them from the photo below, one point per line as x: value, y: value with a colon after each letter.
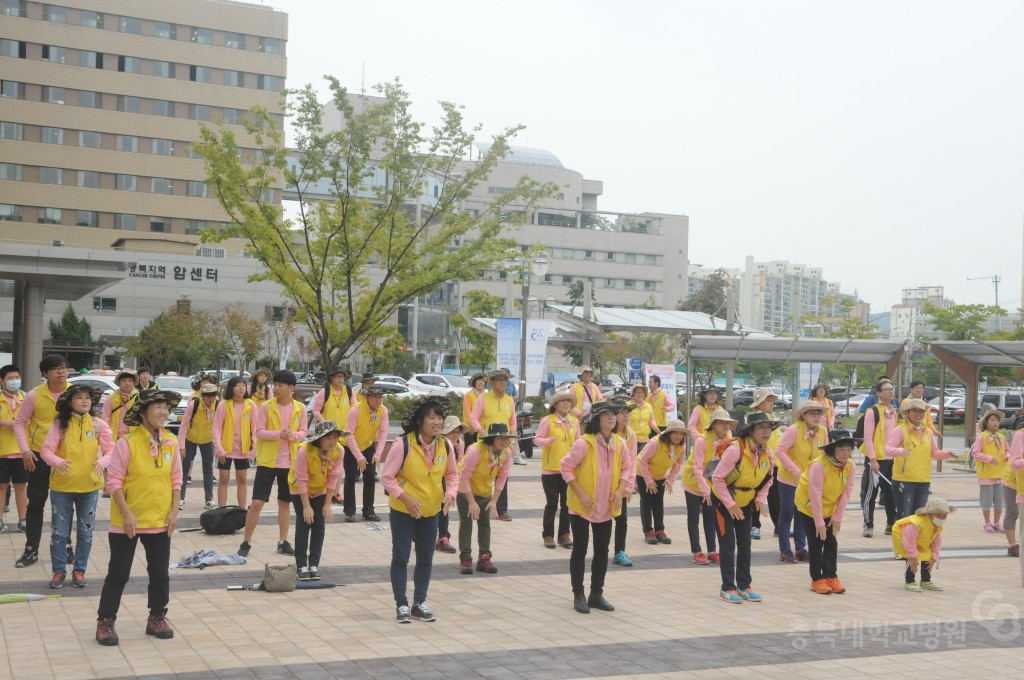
x: 620, y: 529
x: 652, y: 505
x: 309, y: 536
x: 581, y: 529
x: 555, y: 490
x: 823, y: 555
x: 697, y: 510
x: 122, y: 554
x: 369, y: 481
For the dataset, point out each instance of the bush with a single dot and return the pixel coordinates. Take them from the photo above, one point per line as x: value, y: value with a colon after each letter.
x: 399, y: 408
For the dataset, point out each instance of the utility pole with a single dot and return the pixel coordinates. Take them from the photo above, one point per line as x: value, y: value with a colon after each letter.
x: 730, y: 366
x: 995, y: 279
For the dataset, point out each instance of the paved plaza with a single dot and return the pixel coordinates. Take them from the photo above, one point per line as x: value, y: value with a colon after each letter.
x: 520, y: 622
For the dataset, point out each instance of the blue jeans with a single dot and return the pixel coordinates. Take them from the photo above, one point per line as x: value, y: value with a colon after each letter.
x: 406, y: 530
x: 62, y: 505
x: 787, y: 512
x: 910, y: 496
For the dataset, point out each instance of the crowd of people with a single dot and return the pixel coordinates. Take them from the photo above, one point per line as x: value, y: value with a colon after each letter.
x: 597, y: 453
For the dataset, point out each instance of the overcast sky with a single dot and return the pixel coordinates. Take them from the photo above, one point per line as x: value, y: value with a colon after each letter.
x: 881, y: 141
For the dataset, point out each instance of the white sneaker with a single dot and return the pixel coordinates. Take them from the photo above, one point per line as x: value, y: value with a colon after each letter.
x: 210, y: 505
x: 518, y: 460
x: 181, y: 504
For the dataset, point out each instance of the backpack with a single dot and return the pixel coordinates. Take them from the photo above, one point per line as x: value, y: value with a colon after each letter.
x: 709, y: 466
x: 225, y: 520
x: 858, y: 432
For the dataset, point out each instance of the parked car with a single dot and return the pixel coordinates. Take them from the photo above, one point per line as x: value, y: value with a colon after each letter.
x: 435, y: 383
x: 953, y: 410
x: 385, y: 377
x: 1007, y: 402
x: 182, y: 386
x: 854, y: 402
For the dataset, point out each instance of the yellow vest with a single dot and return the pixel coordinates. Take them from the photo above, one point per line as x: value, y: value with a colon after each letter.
x: 752, y: 473
x: 200, y: 427
x: 585, y: 397
x: 368, y: 424
x: 43, y: 413
x: 8, y: 442
x: 147, y: 481
x: 260, y: 396
x: 665, y: 456
x: 80, y: 445
x: 997, y: 449
x: 468, y: 402
x: 425, y: 484
x: 319, y: 469
x: 336, y: 405
x: 689, y: 474
x: 481, y: 482
x: 564, y: 437
x: 657, y: 402
x: 586, y: 474
x: 917, y: 466
x: 803, y: 451
x: 640, y: 420
x: 705, y: 417
x: 879, y: 438
x: 495, y: 411
x: 835, y: 483
x: 120, y: 406
x: 926, y: 534
x: 227, y: 435
x: 266, y: 449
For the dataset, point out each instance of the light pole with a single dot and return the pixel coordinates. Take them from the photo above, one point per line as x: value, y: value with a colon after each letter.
x: 538, y: 266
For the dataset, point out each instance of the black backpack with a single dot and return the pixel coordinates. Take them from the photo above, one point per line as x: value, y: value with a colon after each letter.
x: 858, y: 432
x: 225, y: 520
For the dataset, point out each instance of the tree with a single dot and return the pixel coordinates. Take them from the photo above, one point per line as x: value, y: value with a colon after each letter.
x: 651, y: 347
x: 241, y: 332
x: 179, y: 340
x: 841, y: 323
x: 479, y: 347
x: 276, y: 335
x: 388, y: 356
x: 349, y: 263
x: 71, y: 328
x: 712, y: 297
x: 961, y: 322
x: 574, y: 353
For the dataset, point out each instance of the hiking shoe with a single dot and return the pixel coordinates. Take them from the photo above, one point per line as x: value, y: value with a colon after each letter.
x: 421, y: 612
x: 444, y: 545
x: 821, y: 587
x: 484, y: 564
x: 1013, y: 550
x: 913, y: 588
x: 579, y: 603
x: 22, y: 525
x: 662, y: 537
x: 351, y: 517
x: 243, y: 550
x: 314, y: 573
x: 210, y: 505
x: 929, y: 585
x: 755, y: 533
x: 106, y: 635
x: 370, y: 516
x: 802, y: 556
x: 549, y: 542
x: 466, y: 566
x: 888, y: 530
x: 302, y: 573
x: 869, y: 532
x: 998, y: 528
x: 565, y: 540
x: 285, y: 548
x: 78, y: 579
x: 649, y: 538
x: 622, y: 559
x: 504, y: 517
x: 837, y: 587
x: 27, y: 559
x: 181, y: 504
x: 713, y: 558
x: 403, y: 614
x: 598, y: 602
x: 787, y: 557
x: 700, y: 558
x: 989, y: 529
x: 71, y: 555
x: 159, y: 627
x: 730, y: 596
x: 748, y: 594
x: 57, y: 582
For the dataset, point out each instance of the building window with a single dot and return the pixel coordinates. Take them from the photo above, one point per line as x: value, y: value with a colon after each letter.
x: 197, y: 189
x: 12, y: 172
x: 127, y: 104
x: 234, y: 78
x: 53, y: 95
x: 163, y: 69
x: 630, y: 258
x: 234, y: 40
x: 650, y: 259
x: 202, y: 36
x: 90, y: 100
x: 104, y: 305
x: 629, y: 284
x: 87, y: 218
x: 50, y: 215
x: 199, y: 74
x: 163, y: 147
x: 129, y: 64
x: 160, y: 224
x: 130, y: 25
x: 210, y: 251
x: 609, y: 257
x: 194, y: 226
x: 50, y: 175
x: 89, y: 178
x: 11, y: 89
x: 588, y: 255
x: 10, y: 213
x: 51, y: 135
x: 55, y: 14
x: 162, y: 29
x: 162, y: 107
x: 498, y: 191
x: 229, y: 116
x: 12, y: 48
x: 15, y: 8
x: 55, y: 55
x: 160, y: 185
x: 198, y: 112
x: 125, y: 222
x: 127, y: 143
x: 90, y: 140
x: 566, y: 280
x: 90, y: 59
x: 650, y: 285
x: 609, y: 283
x: 13, y: 131
x: 270, y: 45
x: 270, y: 84
x: 92, y: 19
x: 125, y: 182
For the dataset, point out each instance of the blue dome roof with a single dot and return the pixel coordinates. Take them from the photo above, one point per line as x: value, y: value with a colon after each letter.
x: 525, y: 155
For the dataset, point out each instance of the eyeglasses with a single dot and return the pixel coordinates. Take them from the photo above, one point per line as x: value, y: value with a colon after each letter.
x: 888, y: 389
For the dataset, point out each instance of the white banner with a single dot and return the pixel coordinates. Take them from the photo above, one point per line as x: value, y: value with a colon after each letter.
x: 508, y: 346
x: 667, y: 373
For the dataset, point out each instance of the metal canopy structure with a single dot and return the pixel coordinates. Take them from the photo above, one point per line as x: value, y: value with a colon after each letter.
x: 670, y: 321
x: 817, y: 350
x: 564, y: 335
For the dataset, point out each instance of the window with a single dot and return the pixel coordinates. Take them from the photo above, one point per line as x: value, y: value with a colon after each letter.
x: 1012, y: 402
x: 55, y: 55
x: 50, y: 175
x: 588, y: 255
x: 50, y: 216
x: 630, y: 258
x: 197, y: 189
x: 610, y: 257
x: 609, y: 283
x: 162, y: 107
x: 234, y: 41
x: 126, y: 222
x: 89, y: 178
x: 11, y: 89
x: 210, y: 251
x: 650, y: 259
x: 163, y: 147
x: 127, y: 143
x: 15, y: 8
x: 12, y: 131
x: 90, y: 59
x: 234, y: 78
x: 104, y: 305
x: 566, y: 280
x: 198, y: 112
x: 162, y: 29
x: 55, y: 14
x: 125, y: 182
x: 270, y: 45
x: 91, y: 140
x: 127, y: 104
x: 499, y: 190
x: 160, y: 224
x: 194, y: 226
x: 12, y: 48
x: 650, y: 285
x: 199, y: 74
x: 130, y: 25
x: 87, y: 218
x: 229, y: 116
x: 202, y: 36
x: 629, y: 284
x: 160, y: 185
x: 270, y: 84
x: 51, y: 135
x: 92, y: 19
x: 163, y: 69
x: 53, y: 95
x: 12, y: 172
x: 129, y: 64
x: 10, y: 213
x: 549, y: 278
x: 90, y: 100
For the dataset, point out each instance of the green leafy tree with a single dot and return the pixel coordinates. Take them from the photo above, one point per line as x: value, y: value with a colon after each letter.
x: 387, y: 355
x: 179, y: 340
x: 70, y: 328
x: 241, y: 332
x: 574, y: 353
x: 840, y: 322
x: 349, y: 263
x: 480, y: 348
x: 961, y: 322
x: 712, y: 297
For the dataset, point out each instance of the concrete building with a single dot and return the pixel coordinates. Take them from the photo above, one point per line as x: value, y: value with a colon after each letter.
x: 908, y: 321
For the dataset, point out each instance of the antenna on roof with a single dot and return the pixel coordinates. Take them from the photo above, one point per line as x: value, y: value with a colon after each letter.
x: 362, y: 85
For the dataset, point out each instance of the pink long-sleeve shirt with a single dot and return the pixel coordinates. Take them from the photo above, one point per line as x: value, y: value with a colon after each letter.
x: 910, y: 534
x: 478, y: 413
x: 379, y: 440
x: 726, y: 464
x: 284, y: 450
x: 236, y: 444
x: 472, y: 459
x: 302, y: 475
x: 108, y: 412
x: 459, y: 444
x: 894, y: 446
x: 393, y: 463
x: 24, y: 417
x: 889, y: 424
x: 317, y: 406
x: 645, y: 458
x: 978, y: 454
x: 815, y: 487
x: 607, y: 479
x: 118, y: 467
x: 782, y: 458
x: 698, y: 454
x: 542, y: 438
x: 1017, y: 459
x: 52, y: 441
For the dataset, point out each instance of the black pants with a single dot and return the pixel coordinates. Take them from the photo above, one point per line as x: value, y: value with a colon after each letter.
x: 38, y: 492
x: 734, y: 539
x: 696, y: 511
x: 883, y: 488
x: 824, y: 555
x: 581, y: 529
x: 620, y: 529
x: 555, y: 490
x: 369, y: 481
x: 652, y: 505
x: 469, y: 439
x: 309, y: 536
x: 924, y: 567
x: 773, y: 501
x: 206, y: 455
x: 502, y: 505
x: 122, y: 554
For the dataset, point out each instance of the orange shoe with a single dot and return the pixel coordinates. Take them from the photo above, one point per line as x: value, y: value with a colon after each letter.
x: 821, y: 587
x: 837, y: 587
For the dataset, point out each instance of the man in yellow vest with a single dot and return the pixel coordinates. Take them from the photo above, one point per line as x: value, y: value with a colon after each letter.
x: 118, y: 403
x: 912, y: 446
x: 367, y: 427
x: 587, y: 392
x: 31, y: 426
x: 195, y: 435
x: 495, y: 406
x: 662, y: 402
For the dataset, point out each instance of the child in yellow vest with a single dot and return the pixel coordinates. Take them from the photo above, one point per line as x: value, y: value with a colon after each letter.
x: 912, y: 446
x: 367, y: 434
x: 195, y: 435
x: 556, y: 433
x: 658, y: 467
x: 990, y: 451
x: 143, y: 477
x: 698, y: 494
x: 482, y: 474
x: 314, y: 472
x: 234, y: 439
x: 333, y: 403
x: 917, y: 539
x: 477, y: 383
x: 820, y: 500
x: 453, y: 430
x: 801, y: 444
x: 629, y: 438
x: 700, y: 417
x: 642, y: 419
x: 77, y: 449
x: 12, y: 466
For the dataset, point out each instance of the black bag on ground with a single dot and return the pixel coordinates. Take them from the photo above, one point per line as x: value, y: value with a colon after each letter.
x: 226, y: 520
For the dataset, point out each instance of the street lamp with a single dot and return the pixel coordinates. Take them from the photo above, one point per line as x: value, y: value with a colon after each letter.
x: 526, y: 265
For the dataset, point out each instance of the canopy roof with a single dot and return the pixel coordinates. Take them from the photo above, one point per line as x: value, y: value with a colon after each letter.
x: 975, y: 353
x: 816, y: 350
x: 673, y: 322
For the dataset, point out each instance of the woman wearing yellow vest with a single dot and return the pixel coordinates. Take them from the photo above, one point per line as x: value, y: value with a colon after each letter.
x: 912, y: 446
x: 819, y: 395
x: 412, y: 474
x: 12, y: 467
x: 990, y: 450
x: 195, y: 435
x: 642, y: 419
x: 1010, y: 486
x: 367, y: 428
x: 482, y: 474
x: 234, y: 439
x: 628, y: 436
x: 314, y: 472
x: 556, y: 433
x: 801, y: 444
x: 495, y: 406
x: 77, y: 449
x: 700, y: 416
x: 119, y: 402
x: 662, y: 402
x: 453, y: 430
x: 143, y: 477
x: 698, y: 494
x: 917, y: 539
x: 764, y: 401
x: 588, y: 393
x: 477, y: 383
x: 821, y: 495
x: 261, y: 391
x: 596, y: 469
x: 333, y: 402
x: 740, y: 486
x: 657, y: 468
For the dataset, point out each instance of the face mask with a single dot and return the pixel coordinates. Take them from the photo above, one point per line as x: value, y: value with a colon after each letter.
x: 13, y: 385
x: 938, y: 521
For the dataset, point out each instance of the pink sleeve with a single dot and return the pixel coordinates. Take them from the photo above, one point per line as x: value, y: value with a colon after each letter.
x: 513, y: 421
x: 262, y: 432
x: 894, y: 444
x: 108, y: 408
x: 942, y: 454
x: 451, y: 474
x: 624, y: 471
x: 541, y: 438
x: 49, y: 451
x: 335, y: 474
x: 21, y: 421
x: 670, y: 404
x: 910, y: 540
x: 468, y: 467
x: 869, y: 433
x: 392, y: 464
x: 106, y: 437
x: 673, y: 472
x: 186, y: 420
x: 572, y: 459
x: 652, y: 423
x: 1017, y: 451
x: 350, y: 427
x: 936, y: 545
x: 318, y: 402
x: 726, y: 464
x: 176, y: 476
x: 382, y: 433
x: 694, y: 422
x: 762, y: 495
x: 844, y: 498
x: 503, y: 471
x: 478, y: 411
x: 118, y: 465
x: 815, y: 486
x: 699, y: 447
x: 303, y: 428
x: 218, y: 428
x: 787, y: 442
x: 302, y: 471
x: 642, y: 463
